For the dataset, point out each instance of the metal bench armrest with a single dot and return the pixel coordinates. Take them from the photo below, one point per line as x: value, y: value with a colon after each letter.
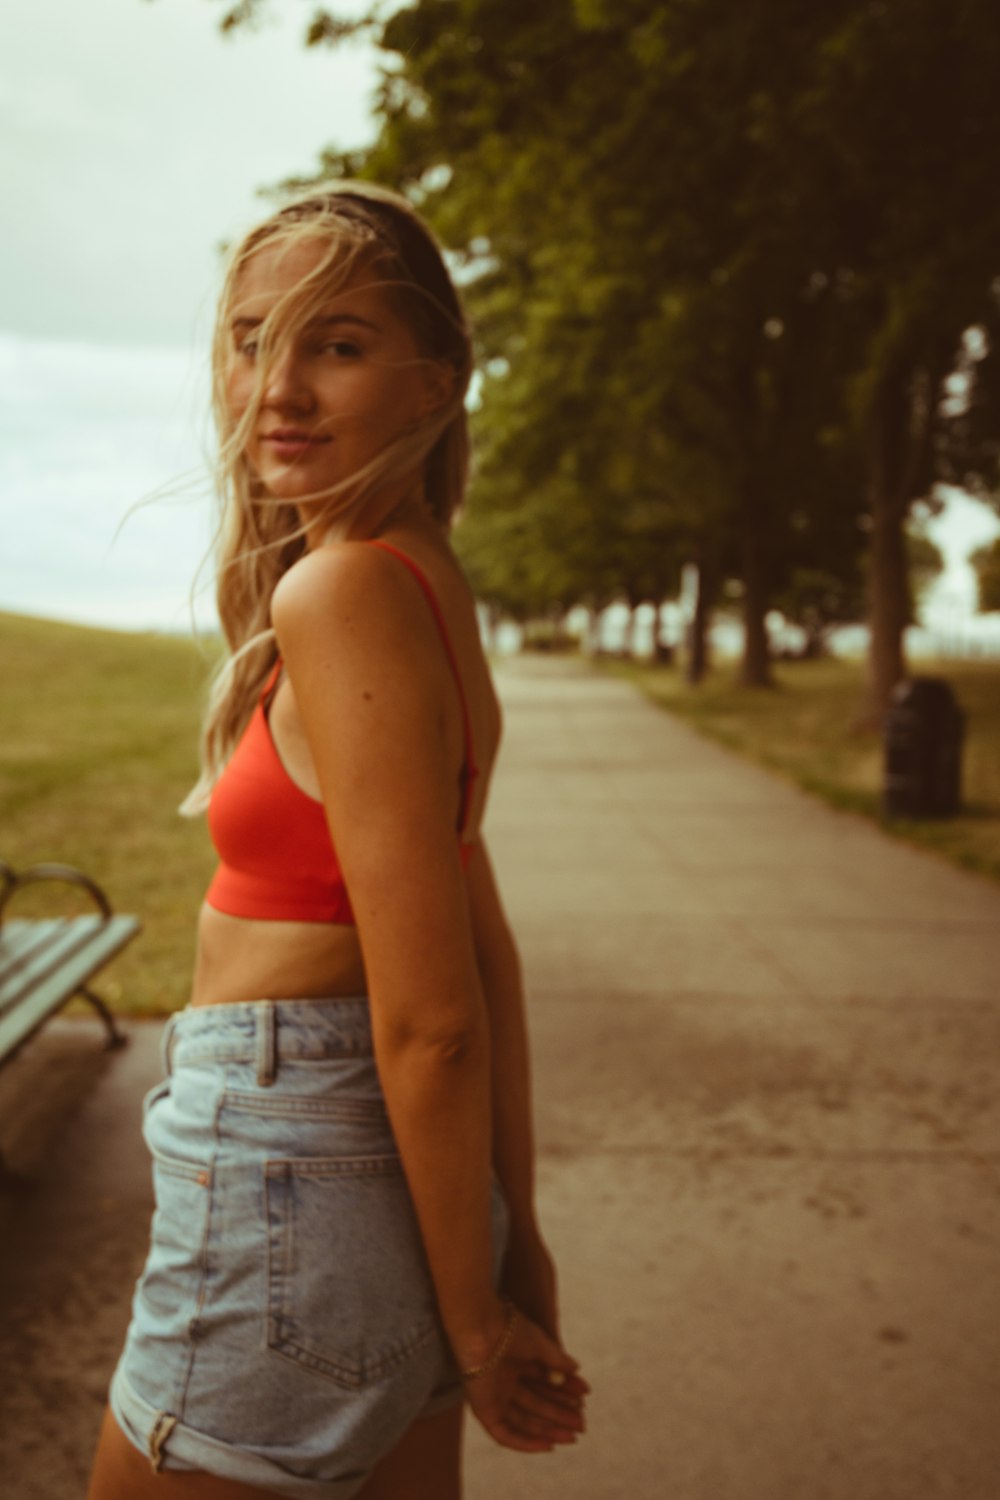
x: 13, y: 880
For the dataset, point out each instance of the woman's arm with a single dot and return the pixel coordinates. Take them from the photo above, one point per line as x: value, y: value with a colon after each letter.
x: 371, y: 685
x: 529, y: 1272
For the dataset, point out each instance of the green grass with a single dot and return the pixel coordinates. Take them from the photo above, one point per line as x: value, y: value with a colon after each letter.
x: 804, y: 729
x: 99, y: 747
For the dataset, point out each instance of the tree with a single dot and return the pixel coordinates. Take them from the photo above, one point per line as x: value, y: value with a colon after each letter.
x: 901, y: 119
x: 723, y: 259
x: 986, y: 562
x: 924, y: 564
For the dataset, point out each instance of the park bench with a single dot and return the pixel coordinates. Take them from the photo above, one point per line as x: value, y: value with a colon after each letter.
x: 45, y: 962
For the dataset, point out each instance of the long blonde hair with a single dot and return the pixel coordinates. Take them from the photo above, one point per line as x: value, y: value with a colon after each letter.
x: 258, y: 537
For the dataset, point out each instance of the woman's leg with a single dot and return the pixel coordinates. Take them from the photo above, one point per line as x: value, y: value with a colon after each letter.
x: 426, y: 1463
x: 121, y: 1472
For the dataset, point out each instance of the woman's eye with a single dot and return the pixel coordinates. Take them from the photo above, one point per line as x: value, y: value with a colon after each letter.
x: 342, y: 348
x: 248, y: 348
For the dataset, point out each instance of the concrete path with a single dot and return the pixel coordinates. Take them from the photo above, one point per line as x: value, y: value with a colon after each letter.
x: 766, y: 1072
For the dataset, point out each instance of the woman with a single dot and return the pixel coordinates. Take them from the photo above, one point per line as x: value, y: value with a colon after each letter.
x: 344, y: 1246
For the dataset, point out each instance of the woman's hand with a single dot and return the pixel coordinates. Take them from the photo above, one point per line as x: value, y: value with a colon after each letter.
x: 529, y: 1280
x: 533, y: 1399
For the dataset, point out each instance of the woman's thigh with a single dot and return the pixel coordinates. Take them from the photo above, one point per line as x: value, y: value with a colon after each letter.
x: 426, y: 1463
x: 121, y: 1472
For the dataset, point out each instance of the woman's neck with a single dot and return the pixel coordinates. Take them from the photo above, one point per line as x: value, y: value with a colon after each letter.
x: 407, y: 509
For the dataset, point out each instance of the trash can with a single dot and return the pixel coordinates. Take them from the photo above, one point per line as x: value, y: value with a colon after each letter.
x: 924, y: 728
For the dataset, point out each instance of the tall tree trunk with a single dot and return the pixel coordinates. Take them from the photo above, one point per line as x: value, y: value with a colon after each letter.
x: 756, y: 666
x: 633, y: 644
x: 661, y: 651
x: 888, y: 597
x: 493, y: 616
x: 591, y: 635
x: 899, y: 469
x: 628, y: 632
x: 698, y: 631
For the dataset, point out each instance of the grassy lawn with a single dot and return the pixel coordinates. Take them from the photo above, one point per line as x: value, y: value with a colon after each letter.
x: 99, y: 746
x: 803, y: 729
x: 100, y: 740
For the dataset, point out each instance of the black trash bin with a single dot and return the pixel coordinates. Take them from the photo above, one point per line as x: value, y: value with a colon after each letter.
x: 923, y: 750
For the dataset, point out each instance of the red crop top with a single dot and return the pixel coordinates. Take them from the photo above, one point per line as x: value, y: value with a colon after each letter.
x: 277, y: 860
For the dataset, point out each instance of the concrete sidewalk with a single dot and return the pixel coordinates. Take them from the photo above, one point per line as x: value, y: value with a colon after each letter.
x: 766, y: 1074
x: 766, y: 1067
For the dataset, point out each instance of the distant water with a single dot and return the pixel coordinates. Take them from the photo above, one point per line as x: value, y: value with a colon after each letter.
x: 106, y: 504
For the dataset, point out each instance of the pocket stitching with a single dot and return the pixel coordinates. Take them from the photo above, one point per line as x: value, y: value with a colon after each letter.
x: 177, y: 1166
x: 292, y: 1108
x: 279, y: 1176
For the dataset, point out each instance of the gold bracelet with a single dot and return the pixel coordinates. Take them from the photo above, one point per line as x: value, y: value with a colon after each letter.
x: 502, y: 1346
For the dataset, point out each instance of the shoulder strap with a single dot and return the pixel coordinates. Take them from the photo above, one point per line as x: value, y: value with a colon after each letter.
x: 269, y: 682
x: 470, y: 770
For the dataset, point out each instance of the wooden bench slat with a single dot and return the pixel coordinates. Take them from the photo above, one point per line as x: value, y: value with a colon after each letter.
x: 20, y: 938
x: 35, y: 954
x: 81, y: 942
x: 98, y: 943
x: 52, y: 943
x: 23, y: 942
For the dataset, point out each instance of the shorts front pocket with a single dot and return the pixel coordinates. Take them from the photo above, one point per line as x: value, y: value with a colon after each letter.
x: 349, y: 1291
x: 173, y: 1279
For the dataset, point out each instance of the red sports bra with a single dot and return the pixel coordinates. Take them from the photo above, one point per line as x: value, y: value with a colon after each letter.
x: 277, y: 860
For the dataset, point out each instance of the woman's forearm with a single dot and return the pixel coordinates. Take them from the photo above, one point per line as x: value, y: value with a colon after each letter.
x: 513, y: 1131
x: 437, y: 1093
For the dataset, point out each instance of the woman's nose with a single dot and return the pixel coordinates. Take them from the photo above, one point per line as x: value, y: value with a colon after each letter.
x: 285, y: 382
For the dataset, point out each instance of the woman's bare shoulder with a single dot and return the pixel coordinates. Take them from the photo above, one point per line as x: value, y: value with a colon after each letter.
x: 344, y: 594
x: 326, y: 580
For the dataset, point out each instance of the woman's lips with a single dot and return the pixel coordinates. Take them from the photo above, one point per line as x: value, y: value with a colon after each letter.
x: 291, y: 444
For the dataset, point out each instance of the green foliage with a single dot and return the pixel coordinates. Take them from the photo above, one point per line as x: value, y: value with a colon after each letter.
x: 721, y: 262
x: 324, y: 28
x: 926, y: 562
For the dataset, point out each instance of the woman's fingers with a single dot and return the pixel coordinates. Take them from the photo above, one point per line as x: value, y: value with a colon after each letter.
x: 533, y: 1400
x: 571, y: 1385
x: 540, y: 1423
x: 558, y: 1416
x: 563, y: 1397
x: 508, y: 1437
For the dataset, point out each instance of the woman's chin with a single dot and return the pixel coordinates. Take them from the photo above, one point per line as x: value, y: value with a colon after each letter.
x: 298, y: 486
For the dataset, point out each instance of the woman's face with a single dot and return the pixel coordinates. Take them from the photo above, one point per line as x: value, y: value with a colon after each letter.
x: 352, y: 379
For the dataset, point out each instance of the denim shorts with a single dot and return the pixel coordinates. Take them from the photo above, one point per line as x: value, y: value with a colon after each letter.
x: 284, y: 1328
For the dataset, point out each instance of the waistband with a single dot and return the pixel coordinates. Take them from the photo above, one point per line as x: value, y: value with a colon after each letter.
x: 265, y: 1032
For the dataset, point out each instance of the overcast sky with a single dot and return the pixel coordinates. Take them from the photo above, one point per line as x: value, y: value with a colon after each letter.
x: 132, y: 140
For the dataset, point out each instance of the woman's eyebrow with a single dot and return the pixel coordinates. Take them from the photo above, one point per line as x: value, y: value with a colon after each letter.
x: 331, y: 319
x: 328, y: 320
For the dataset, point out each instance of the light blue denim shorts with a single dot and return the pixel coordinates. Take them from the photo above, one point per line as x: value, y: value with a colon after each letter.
x: 284, y: 1328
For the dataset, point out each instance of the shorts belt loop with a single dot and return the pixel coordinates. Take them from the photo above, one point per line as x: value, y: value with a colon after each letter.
x: 162, y: 1429
x: 166, y: 1040
x: 267, y: 1023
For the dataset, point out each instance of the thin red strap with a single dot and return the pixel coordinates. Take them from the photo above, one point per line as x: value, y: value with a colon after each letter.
x: 270, y: 680
x: 471, y: 770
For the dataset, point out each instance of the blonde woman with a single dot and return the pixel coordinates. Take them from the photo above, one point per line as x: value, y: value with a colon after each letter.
x: 345, y: 1249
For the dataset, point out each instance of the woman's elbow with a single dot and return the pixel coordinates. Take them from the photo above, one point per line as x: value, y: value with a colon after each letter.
x: 447, y: 1043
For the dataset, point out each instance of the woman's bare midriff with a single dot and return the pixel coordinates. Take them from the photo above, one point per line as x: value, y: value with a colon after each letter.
x: 239, y: 958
